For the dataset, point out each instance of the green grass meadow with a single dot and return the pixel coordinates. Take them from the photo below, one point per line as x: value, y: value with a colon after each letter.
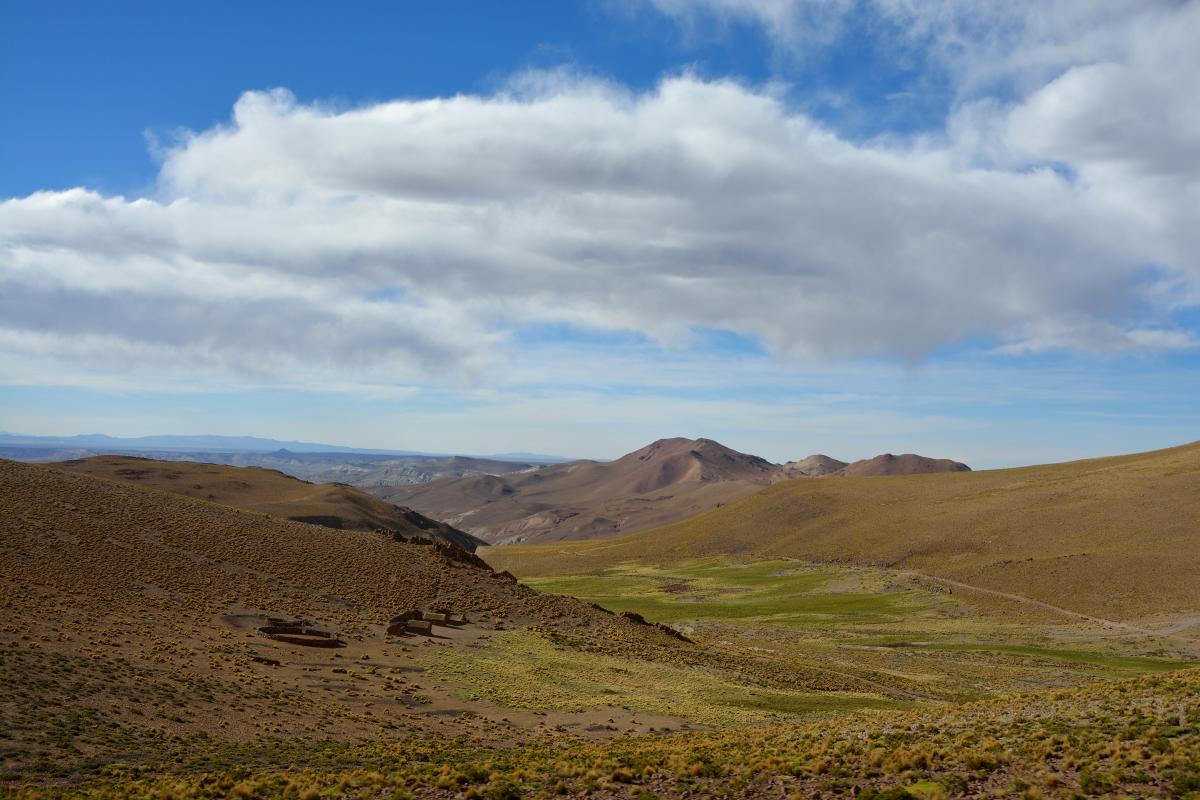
x: 775, y: 592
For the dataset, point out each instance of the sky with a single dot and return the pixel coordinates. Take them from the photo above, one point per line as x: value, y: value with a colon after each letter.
x: 969, y: 230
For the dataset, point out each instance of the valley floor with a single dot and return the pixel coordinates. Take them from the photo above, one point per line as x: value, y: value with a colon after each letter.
x: 799, y: 680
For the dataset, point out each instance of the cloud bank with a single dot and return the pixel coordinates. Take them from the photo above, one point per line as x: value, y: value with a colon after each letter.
x: 413, y: 240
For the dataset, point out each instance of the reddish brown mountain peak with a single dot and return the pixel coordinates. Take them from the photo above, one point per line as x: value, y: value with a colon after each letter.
x: 661, y: 447
x: 906, y: 464
x: 664, y: 481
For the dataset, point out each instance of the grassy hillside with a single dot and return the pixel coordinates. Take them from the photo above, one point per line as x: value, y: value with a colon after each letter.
x: 134, y: 665
x: 131, y: 633
x: 1117, y: 538
x: 1136, y: 738
x: 270, y: 492
x: 131, y: 622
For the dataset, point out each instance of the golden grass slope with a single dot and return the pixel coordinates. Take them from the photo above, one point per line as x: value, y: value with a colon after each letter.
x: 129, y: 624
x: 271, y: 492
x: 98, y: 544
x: 1136, y: 738
x: 1118, y: 538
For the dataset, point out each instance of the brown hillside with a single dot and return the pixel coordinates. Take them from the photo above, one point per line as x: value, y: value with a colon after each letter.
x: 815, y: 466
x: 1118, y: 538
x: 270, y: 492
x: 155, y: 645
x: 907, y: 464
x: 665, y: 481
x: 138, y: 613
x: 90, y: 536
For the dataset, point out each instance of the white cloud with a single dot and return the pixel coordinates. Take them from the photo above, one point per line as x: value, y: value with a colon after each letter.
x: 979, y: 43
x: 1130, y: 127
x: 405, y: 241
x: 797, y: 25
x: 1097, y: 337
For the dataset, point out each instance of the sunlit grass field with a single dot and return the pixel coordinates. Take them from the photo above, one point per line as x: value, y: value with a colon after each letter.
x: 527, y: 670
x: 778, y: 592
x: 906, y: 643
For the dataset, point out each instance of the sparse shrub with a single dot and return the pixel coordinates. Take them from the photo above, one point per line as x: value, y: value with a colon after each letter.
x: 504, y: 789
x: 621, y: 775
x: 984, y: 762
x: 894, y: 793
x: 1186, y: 784
x: 1052, y: 780
x: 955, y: 784
x: 927, y: 790
x: 1092, y: 782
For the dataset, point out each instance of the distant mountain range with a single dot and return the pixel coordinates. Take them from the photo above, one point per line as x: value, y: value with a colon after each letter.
x: 503, y: 499
x: 104, y: 444
x: 664, y: 482
x: 319, y: 463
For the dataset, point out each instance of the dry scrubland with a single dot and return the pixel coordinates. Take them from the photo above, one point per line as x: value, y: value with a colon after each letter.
x: 1116, y: 538
x: 1135, y: 738
x: 132, y: 667
x: 270, y: 492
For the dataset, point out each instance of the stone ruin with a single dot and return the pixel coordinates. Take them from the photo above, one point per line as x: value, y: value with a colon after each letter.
x: 300, y: 631
x: 408, y: 623
x: 399, y: 625
x: 445, y: 616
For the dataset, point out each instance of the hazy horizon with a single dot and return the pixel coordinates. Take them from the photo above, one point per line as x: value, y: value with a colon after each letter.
x: 514, y: 454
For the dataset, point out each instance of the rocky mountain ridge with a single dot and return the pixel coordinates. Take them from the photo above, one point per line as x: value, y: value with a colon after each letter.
x: 666, y: 481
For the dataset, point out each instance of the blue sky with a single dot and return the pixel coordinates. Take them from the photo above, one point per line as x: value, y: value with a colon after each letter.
x: 128, y: 68
x: 851, y: 226
x: 131, y: 69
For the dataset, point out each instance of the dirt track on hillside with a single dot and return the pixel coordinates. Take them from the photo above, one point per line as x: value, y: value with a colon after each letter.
x: 1169, y: 631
